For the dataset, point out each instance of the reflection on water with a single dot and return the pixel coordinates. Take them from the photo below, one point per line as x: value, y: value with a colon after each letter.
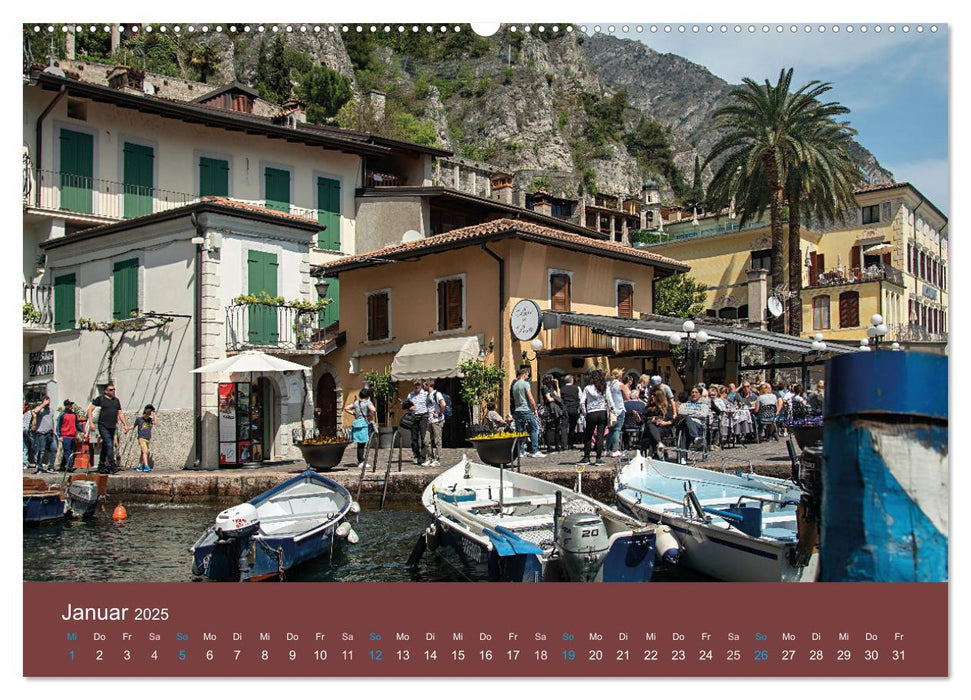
x: 153, y: 545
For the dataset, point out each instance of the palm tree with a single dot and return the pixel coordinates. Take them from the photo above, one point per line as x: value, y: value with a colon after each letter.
x: 778, y: 143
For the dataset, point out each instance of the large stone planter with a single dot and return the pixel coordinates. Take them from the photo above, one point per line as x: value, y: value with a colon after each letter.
x: 323, y: 456
x: 497, y: 451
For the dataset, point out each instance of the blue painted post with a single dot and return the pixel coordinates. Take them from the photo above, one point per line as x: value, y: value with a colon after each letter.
x: 885, y: 481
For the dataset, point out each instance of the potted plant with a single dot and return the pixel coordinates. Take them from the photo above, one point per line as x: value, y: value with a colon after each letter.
x: 384, y: 389
x: 498, y: 449
x: 322, y: 453
x: 480, y: 383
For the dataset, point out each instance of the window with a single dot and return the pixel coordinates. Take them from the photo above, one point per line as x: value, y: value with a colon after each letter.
x: 625, y: 300
x: 213, y: 177
x: 729, y: 312
x: 871, y: 215
x: 451, y: 304
x: 379, y: 316
x: 910, y: 257
x: 560, y: 291
x: 849, y: 309
x: 923, y: 266
x: 743, y: 311
x: 125, y: 282
x: 820, y: 313
x: 762, y: 260
x: 329, y: 213
x: 65, y: 291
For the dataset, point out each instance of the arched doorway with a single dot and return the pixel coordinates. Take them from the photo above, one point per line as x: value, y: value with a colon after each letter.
x: 326, y: 405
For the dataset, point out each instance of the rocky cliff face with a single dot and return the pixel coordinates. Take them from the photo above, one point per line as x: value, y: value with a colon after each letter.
x: 523, y: 104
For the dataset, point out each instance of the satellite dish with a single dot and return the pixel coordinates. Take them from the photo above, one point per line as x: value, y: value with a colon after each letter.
x: 775, y: 306
x: 411, y: 235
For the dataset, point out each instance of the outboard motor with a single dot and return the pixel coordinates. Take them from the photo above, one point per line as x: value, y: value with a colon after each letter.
x: 809, y: 468
x: 582, y: 543
x: 237, y: 525
x: 82, y: 497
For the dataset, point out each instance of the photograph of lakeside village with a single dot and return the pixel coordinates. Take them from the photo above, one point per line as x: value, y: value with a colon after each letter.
x: 485, y: 288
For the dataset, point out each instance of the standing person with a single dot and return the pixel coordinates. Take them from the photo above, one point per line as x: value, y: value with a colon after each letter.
x: 108, y: 418
x: 66, y: 429
x: 619, y: 394
x: 557, y: 423
x: 144, y: 424
x: 44, y: 436
x: 419, y: 409
x: 817, y: 396
x: 364, y: 412
x: 28, y: 436
x: 525, y: 412
x: 570, y: 393
x: 593, y: 404
x: 436, y: 422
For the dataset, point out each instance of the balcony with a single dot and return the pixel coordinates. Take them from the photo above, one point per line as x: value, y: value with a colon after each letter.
x: 102, y: 201
x: 376, y: 179
x: 570, y: 340
x: 268, y: 326
x: 854, y: 275
x: 38, y: 308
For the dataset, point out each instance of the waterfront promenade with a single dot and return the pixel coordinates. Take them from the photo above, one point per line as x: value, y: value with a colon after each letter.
x: 405, y: 486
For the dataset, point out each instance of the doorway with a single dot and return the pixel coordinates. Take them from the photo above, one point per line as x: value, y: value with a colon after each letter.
x: 326, y: 405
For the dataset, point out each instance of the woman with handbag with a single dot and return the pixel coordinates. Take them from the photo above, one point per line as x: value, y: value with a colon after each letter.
x: 595, y: 401
x: 557, y: 423
x: 364, y: 412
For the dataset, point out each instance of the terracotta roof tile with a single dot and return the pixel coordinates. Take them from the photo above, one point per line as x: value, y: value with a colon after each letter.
x: 880, y: 186
x: 492, y: 229
x: 246, y: 206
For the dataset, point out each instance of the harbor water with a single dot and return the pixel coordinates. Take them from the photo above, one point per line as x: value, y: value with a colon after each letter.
x: 153, y: 545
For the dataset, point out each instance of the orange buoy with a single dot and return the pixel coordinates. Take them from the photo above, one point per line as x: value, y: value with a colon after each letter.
x: 119, y: 513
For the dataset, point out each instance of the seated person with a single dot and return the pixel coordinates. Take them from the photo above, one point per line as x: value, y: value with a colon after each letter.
x: 692, y: 418
x: 495, y: 422
x: 658, y: 422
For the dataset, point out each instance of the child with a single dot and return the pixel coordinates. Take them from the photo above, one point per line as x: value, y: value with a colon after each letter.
x: 144, y: 424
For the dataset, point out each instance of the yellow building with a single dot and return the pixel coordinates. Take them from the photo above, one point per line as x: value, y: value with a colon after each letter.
x: 463, y: 284
x: 886, y: 256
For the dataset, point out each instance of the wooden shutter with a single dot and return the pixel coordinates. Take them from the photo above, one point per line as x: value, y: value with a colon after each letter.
x: 454, y: 311
x: 813, y: 269
x: 262, y: 271
x: 849, y: 310
x: 378, y: 316
x: 329, y: 213
x: 442, y: 305
x: 213, y: 177
x: 277, y: 189
x: 855, y: 258
x: 139, y: 174
x: 330, y: 315
x: 560, y: 292
x: 64, y: 302
x: 625, y: 301
x: 125, y: 280
x: 77, y: 169
x: 886, y: 259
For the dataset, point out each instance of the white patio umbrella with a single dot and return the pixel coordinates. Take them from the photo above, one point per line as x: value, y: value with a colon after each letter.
x: 250, y: 361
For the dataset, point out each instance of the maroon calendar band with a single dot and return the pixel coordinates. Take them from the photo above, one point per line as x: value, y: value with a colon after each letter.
x: 446, y: 629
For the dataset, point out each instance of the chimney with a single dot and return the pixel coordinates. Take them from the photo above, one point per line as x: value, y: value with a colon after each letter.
x: 122, y: 77
x: 295, y: 112
x: 375, y: 99
x: 502, y: 188
x: 758, y: 297
x: 543, y: 203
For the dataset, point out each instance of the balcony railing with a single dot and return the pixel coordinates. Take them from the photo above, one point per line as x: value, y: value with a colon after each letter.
x: 269, y: 326
x: 874, y: 273
x: 569, y: 338
x: 905, y: 332
x: 375, y: 179
x: 106, y: 199
x: 38, y: 307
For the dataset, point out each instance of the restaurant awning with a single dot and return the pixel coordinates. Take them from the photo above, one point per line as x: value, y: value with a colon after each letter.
x: 436, y: 359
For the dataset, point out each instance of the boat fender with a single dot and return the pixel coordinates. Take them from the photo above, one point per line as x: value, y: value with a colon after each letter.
x: 667, y: 547
x: 343, y: 529
x: 355, y: 507
x: 431, y: 537
x: 352, y: 537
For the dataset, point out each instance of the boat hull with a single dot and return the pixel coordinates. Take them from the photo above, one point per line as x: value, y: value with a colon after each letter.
x: 267, y: 558
x: 715, y: 550
x: 43, y: 509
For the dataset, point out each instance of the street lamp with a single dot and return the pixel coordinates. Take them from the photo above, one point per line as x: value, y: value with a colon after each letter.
x: 864, y: 345
x: 877, y: 330
x: 693, y: 344
x: 536, y: 344
x: 322, y: 286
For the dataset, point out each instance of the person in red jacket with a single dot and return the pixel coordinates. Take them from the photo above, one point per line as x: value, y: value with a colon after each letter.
x: 66, y: 430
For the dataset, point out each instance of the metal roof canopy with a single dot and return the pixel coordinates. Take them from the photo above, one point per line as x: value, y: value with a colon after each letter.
x: 653, y: 325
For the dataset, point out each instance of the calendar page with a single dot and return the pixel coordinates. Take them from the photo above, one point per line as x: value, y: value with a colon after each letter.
x: 533, y: 350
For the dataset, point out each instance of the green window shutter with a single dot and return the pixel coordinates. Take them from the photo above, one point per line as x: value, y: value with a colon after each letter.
x: 329, y: 316
x: 213, y: 177
x: 139, y: 175
x: 263, y: 319
x: 77, y: 169
x: 277, y: 187
x: 125, y: 289
x: 64, y: 302
x: 329, y: 213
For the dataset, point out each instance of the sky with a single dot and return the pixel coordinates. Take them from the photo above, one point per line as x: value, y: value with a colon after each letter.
x: 895, y: 84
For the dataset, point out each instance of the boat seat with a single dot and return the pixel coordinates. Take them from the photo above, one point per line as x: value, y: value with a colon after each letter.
x: 779, y: 533
x: 535, y: 500
x: 515, y: 522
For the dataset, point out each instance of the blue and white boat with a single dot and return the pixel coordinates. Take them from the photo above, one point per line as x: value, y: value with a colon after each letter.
x: 730, y: 526
x: 297, y: 521
x: 515, y: 527
x: 49, y: 503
